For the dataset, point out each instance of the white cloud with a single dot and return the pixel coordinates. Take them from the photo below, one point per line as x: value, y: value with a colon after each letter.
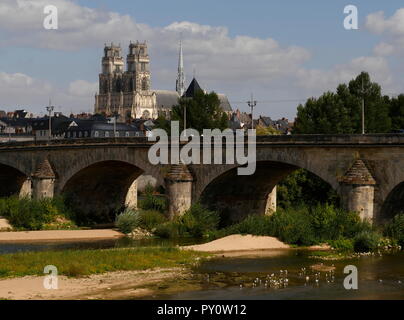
x: 391, y: 28
x: 324, y: 80
x: 82, y: 88
x: 236, y: 63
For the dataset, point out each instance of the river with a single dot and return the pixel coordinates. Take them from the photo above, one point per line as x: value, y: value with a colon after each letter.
x: 232, y: 278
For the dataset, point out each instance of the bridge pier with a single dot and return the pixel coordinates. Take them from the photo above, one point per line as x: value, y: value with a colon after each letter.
x: 179, y: 190
x: 271, y: 202
x: 131, y: 196
x: 357, y: 191
x: 43, y: 181
x: 26, y: 189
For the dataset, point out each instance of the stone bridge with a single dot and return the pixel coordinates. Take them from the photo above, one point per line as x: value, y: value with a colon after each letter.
x: 99, y: 174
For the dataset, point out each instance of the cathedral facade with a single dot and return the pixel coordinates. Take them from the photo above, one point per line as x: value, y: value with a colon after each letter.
x: 126, y: 93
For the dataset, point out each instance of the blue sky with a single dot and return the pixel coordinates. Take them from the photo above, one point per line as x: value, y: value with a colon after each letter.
x: 293, y: 49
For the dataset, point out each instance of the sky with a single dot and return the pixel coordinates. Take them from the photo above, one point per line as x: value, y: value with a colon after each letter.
x: 282, y: 51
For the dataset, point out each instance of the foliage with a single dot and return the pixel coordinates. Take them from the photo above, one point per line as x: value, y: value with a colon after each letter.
x: 150, y: 219
x: 366, y: 241
x: 196, y: 222
x: 397, y: 112
x: 294, y: 227
x: 301, y: 187
x: 301, y: 226
x: 169, y: 230
x: 86, y: 262
x: 340, y: 112
x: 152, y: 202
x: 30, y: 214
x: 395, y: 229
x: 127, y: 221
x: 265, y: 131
x: 342, y: 244
x: 203, y: 111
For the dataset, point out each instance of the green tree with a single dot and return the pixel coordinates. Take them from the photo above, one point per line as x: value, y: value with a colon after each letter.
x: 340, y: 112
x: 397, y: 112
x: 203, y: 111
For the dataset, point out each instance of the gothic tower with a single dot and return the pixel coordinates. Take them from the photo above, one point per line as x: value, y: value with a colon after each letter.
x: 128, y: 93
x: 180, y: 85
x: 138, y: 69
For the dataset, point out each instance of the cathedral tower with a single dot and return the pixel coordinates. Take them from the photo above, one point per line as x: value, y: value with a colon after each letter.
x: 126, y: 93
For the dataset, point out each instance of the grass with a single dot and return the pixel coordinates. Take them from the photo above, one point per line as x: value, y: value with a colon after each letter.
x: 76, y: 263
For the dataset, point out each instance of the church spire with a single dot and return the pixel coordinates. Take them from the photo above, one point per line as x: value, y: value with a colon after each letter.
x: 180, y: 86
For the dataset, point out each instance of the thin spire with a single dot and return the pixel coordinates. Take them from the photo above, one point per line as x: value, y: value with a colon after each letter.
x: 180, y: 84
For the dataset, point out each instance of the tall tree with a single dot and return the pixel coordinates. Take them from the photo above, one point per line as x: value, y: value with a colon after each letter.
x: 340, y: 112
x: 203, y: 111
x: 397, y: 112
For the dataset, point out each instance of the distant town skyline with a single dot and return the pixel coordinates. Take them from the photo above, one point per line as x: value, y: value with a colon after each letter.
x: 282, y: 51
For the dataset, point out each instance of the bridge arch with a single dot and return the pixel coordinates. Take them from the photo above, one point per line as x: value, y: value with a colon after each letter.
x: 13, y: 181
x: 393, y: 204
x: 97, y: 192
x: 245, y: 195
x: 297, y: 158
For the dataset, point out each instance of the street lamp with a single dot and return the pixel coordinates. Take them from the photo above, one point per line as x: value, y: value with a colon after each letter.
x: 50, y: 108
x: 252, y: 104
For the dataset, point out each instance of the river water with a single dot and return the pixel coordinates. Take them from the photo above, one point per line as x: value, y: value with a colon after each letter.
x: 379, y: 277
x: 232, y: 278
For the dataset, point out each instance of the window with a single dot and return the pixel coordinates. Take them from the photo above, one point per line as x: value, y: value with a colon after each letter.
x: 117, y: 134
x: 80, y: 134
x: 96, y: 134
x: 85, y: 134
x: 144, y: 84
x: 106, y: 134
x: 74, y: 134
x: 127, y: 134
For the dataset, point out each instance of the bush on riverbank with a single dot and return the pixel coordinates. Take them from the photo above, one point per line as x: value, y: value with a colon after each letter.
x: 127, y: 221
x: 30, y: 214
x: 395, y: 229
x: 366, y: 241
x: 301, y: 226
x: 196, y: 222
x: 151, y: 201
x: 150, y: 219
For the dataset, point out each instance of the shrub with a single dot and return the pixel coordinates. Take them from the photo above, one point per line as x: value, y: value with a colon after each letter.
x: 127, y: 221
x: 255, y: 224
x: 150, y: 219
x: 31, y: 214
x: 395, y: 229
x: 197, y: 221
x: 342, y: 244
x: 293, y: 226
x: 152, y: 202
x: 366, y: 241
x: 169, y: 230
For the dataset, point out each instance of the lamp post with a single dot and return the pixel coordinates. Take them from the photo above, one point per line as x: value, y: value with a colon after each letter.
x: 50, y: 108
x: 252, y: 104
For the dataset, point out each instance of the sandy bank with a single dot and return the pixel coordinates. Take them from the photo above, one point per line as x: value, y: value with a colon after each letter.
x: 111, y: 285
x: 239, y: 242
x: 59, y: 235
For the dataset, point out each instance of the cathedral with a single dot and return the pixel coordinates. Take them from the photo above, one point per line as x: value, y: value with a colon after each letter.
x: 128, y: 94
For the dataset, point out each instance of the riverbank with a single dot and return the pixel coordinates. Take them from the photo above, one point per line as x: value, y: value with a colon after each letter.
x: 59, y: 235
x: 110, y: 285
